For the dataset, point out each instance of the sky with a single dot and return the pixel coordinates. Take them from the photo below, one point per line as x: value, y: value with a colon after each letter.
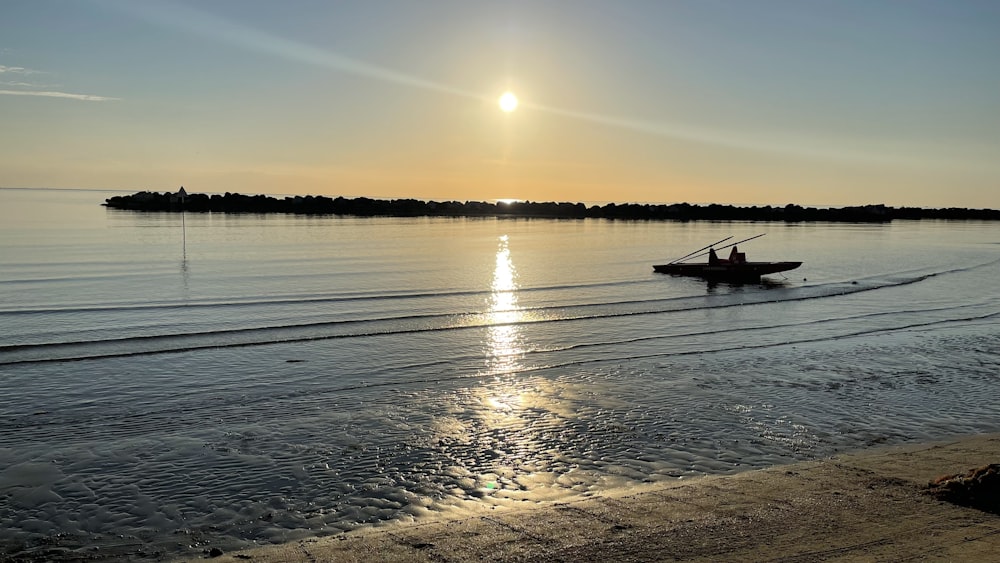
x: 764, y: 102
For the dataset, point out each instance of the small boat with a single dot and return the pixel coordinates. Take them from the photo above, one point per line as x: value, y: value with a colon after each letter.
x: 735, y: 268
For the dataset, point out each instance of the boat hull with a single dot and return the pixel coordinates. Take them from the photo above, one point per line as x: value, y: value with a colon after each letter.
x: 746, y: 271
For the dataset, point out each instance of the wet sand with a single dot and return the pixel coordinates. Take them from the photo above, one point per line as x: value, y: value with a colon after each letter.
x: 868, y: 506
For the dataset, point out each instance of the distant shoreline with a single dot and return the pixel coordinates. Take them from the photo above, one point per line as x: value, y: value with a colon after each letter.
x: 367, y: 207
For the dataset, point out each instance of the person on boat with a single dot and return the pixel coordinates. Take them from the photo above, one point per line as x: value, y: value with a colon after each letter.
x: 737, y: 257
x: 714, y: 260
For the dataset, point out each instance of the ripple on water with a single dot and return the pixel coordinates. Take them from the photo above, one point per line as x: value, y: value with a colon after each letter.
x: 268, y: 471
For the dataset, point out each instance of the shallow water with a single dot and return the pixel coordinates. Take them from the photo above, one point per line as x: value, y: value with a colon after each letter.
x: 175, y: 382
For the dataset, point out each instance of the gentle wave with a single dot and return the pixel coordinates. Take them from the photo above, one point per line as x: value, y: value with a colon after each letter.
x: 295, y: 299
x: 911, y: 276
x: 448, y: 370
x: 304, y: 332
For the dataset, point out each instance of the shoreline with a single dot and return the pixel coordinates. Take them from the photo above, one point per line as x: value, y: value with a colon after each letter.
x: 368, y: 207
x: 866, y: 505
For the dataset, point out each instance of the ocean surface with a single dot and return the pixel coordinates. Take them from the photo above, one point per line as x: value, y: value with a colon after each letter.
x: 170, y: 383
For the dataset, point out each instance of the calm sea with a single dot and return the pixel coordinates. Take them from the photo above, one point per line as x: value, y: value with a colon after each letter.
x: 173, y: 382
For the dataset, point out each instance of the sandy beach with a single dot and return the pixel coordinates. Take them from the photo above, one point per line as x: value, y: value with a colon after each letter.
x: 867, y: 506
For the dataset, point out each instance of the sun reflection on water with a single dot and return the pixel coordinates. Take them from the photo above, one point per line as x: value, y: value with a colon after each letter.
x: 509, y: 434
x: 504, y: 344
x: 503, y: 424
x: 515, y: 435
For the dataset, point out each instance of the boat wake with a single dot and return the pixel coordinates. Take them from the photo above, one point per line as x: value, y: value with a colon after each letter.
x: 177, y: 336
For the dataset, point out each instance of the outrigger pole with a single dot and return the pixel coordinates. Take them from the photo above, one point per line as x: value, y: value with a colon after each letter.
x: 689, y: 255
x: 727, y: 246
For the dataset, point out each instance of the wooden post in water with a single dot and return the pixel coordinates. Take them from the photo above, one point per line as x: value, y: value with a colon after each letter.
x: 182, y: 197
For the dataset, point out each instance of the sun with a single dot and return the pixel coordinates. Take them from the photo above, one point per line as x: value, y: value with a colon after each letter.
x: 508, y: 102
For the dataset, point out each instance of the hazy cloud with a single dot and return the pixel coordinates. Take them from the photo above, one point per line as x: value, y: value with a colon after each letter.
x: 48, y: 94
x: 18, y: 70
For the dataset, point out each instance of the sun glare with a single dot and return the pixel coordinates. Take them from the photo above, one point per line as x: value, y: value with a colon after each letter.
x: 508, y: 102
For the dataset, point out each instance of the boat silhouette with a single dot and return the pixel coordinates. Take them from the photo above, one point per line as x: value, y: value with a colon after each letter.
x: 734, y: 268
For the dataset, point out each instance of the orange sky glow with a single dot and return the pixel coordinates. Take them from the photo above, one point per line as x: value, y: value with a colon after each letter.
x: 770, y: 103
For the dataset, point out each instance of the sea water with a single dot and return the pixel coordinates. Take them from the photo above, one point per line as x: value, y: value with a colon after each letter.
x: 170, y: 382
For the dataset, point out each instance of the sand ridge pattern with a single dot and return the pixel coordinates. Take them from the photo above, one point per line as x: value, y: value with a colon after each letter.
x: 866, y: 506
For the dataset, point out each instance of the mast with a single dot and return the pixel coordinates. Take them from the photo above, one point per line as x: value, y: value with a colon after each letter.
x: 689, y: 255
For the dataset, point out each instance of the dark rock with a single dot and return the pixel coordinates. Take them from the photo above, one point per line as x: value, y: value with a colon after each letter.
x: 978, y: 488
x: 367, y: 207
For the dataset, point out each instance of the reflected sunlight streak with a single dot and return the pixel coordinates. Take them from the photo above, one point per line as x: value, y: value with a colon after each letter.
x: 504, y: 346
x: 204, y: 24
